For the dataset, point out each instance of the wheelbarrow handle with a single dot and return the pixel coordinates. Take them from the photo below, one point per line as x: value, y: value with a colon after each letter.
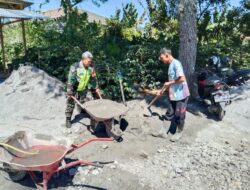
x: 79, y: 103
x: 83, y: 162
x: 76, y: 101
x: 77, y: 146
x: 79, y: 162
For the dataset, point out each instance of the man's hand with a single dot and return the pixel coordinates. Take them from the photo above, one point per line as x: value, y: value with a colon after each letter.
x: 159, y: 93
x: 168, y: 84
x: 242, y: 36
x: 69, y: 94
x: 97, y: 90
x: 93, y: 74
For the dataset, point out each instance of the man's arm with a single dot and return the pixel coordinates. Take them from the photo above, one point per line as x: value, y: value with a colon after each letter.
x: 180, y: 79
x: 71, y: 81
x: 93, y: 82
x: 180, y: 76
x: 243, y: 37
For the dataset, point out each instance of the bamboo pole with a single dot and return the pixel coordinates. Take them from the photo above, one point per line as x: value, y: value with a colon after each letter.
x: 24, y: 37
x: 2, y: 45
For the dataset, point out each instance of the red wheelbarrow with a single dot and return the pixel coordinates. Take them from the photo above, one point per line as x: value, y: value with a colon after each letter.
x: 24, y: 153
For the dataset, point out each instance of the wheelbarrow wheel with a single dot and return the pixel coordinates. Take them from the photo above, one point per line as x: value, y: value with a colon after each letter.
x: 13, y: 175
x: 93, y: 125
x: 113, y: 129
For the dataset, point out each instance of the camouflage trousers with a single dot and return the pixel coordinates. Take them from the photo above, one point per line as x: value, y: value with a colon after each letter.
x: 82, y: 97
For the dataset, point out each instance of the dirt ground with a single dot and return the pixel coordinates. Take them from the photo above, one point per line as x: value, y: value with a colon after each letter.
x: 211, y: 154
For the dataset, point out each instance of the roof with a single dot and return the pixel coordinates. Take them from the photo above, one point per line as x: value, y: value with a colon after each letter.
x: 58, y: 13
x: 12, y: 15
x: 7, y: 13
x: 14, y: 4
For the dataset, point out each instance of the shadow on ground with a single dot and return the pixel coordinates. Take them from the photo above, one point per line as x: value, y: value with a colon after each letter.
x: 60, y: 180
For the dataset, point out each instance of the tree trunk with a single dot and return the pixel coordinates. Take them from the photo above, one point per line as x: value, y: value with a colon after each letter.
x: 188, y: 41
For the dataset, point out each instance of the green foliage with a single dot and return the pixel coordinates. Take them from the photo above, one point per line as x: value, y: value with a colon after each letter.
x: 130, y: 16
x: 219, y: 34
x: 130, y: 33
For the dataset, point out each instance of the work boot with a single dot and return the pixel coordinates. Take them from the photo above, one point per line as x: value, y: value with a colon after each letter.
x: 68, y: 122
x: 176, y: 136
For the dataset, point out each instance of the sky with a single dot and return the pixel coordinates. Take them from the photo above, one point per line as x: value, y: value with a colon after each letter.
x: 106, y: 9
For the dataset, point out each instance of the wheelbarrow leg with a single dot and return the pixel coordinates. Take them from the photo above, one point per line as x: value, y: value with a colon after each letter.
x: 45, y: 181
x: 112, y: 129
x: 93, y: 125
x: 34, y: 179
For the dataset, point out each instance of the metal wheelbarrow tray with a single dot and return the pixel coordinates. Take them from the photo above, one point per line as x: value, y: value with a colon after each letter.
x: 49, y: 159
x: 107, y: 112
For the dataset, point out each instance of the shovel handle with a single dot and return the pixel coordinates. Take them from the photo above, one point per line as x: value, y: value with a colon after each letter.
x: 156, y: 98
x: 99, y: 95
x: 122, y: 92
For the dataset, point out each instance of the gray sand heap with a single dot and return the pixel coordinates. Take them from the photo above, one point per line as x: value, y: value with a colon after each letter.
x: 142, y: 122
x: 31, y: 94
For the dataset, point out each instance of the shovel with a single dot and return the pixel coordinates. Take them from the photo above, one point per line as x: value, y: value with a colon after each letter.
x: 121, y: 87
x: 150, y: 113
x: 99, y: 95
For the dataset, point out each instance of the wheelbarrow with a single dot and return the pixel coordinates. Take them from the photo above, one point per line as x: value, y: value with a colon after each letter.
x: 24, y: 153
x: 105, y: 111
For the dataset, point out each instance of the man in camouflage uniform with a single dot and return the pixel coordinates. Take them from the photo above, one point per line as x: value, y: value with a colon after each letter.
x: 81, y: 78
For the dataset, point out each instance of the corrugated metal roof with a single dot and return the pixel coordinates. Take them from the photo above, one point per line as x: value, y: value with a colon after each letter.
x: 58, y: 13
x: 20, y: 14
x: 14, y: 4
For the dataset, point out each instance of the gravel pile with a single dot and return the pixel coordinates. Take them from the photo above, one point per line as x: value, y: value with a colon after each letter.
x: 31, y: 94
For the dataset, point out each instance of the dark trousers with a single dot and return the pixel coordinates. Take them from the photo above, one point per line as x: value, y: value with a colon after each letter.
x: 176, y: 113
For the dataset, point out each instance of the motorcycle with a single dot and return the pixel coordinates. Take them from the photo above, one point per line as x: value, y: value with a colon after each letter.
x: 233, y: 77
x: 239, y: 77
x: 215, y: 93
x: 214, y: 83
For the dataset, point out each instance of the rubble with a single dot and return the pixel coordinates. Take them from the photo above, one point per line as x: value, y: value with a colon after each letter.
x: 104, y: 146
x: 201, y: 163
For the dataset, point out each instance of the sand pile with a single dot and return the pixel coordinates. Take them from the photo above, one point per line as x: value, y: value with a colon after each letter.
x: 142, y: 122
x: 31, y: 94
